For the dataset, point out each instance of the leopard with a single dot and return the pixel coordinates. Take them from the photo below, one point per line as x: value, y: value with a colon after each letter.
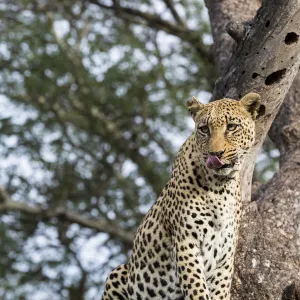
x: 186, y: 243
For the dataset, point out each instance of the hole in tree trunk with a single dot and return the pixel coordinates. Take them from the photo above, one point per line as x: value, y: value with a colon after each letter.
x: 261, y: 111
x: 275, y: 77
x: 291, y: 292
x: 291, y: 38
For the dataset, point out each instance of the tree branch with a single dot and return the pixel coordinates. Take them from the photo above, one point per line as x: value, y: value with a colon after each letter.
x: 154, y: 21
x: 236, y: 30
x: 221, y: 13
x: 62, y: 213
x: 285, y: 130
x: 170, y: 5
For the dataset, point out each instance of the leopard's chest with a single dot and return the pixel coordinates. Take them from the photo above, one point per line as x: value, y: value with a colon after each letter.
x: 219, y: 237
x: 218, y: 246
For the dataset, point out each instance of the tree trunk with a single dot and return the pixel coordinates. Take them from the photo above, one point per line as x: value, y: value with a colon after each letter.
x: 221, y: 13
x: 266, y: 60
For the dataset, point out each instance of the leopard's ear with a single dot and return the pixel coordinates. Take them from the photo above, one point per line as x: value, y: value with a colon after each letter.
x: 252, y: 102
x: 193, y: 106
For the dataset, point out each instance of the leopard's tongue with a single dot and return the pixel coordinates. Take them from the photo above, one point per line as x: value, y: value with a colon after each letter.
x: 213, y: 162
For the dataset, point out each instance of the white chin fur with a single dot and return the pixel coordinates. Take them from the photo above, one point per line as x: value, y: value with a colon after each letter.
x: 224, y: 171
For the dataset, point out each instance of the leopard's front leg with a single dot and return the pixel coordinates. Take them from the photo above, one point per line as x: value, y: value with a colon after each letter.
x: 219, y: 280
x: 190, y: 269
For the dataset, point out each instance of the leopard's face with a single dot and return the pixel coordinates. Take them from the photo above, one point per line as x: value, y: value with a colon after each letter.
x: 224, y: 132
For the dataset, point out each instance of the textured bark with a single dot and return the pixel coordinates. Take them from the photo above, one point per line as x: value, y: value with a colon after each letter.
x: 266, y: 61
x: 285, y: 131
x: 221, y: 13
x: 268, y: 257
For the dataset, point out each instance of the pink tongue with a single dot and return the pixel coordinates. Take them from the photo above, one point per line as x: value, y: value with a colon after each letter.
x: 213, y: 162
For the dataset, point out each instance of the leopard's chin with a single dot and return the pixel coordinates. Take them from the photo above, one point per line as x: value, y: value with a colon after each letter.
x: 227, y: 170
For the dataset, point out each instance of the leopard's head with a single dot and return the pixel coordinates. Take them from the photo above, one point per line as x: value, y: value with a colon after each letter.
x: 225, y: 131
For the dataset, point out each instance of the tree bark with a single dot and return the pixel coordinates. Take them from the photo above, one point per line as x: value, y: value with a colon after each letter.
x: 285, y: 129
x: 266, y: 61
x: 221, y: 13
x: 268, y: 258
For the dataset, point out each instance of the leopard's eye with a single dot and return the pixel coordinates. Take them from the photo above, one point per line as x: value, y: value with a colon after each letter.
x: 231, y: 127
x: 204, y: 129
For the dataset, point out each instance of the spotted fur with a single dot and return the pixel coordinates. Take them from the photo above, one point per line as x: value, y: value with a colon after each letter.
x: 184, y: 248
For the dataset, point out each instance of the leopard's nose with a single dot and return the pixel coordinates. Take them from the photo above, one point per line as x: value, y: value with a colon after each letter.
x: 217, y: 153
